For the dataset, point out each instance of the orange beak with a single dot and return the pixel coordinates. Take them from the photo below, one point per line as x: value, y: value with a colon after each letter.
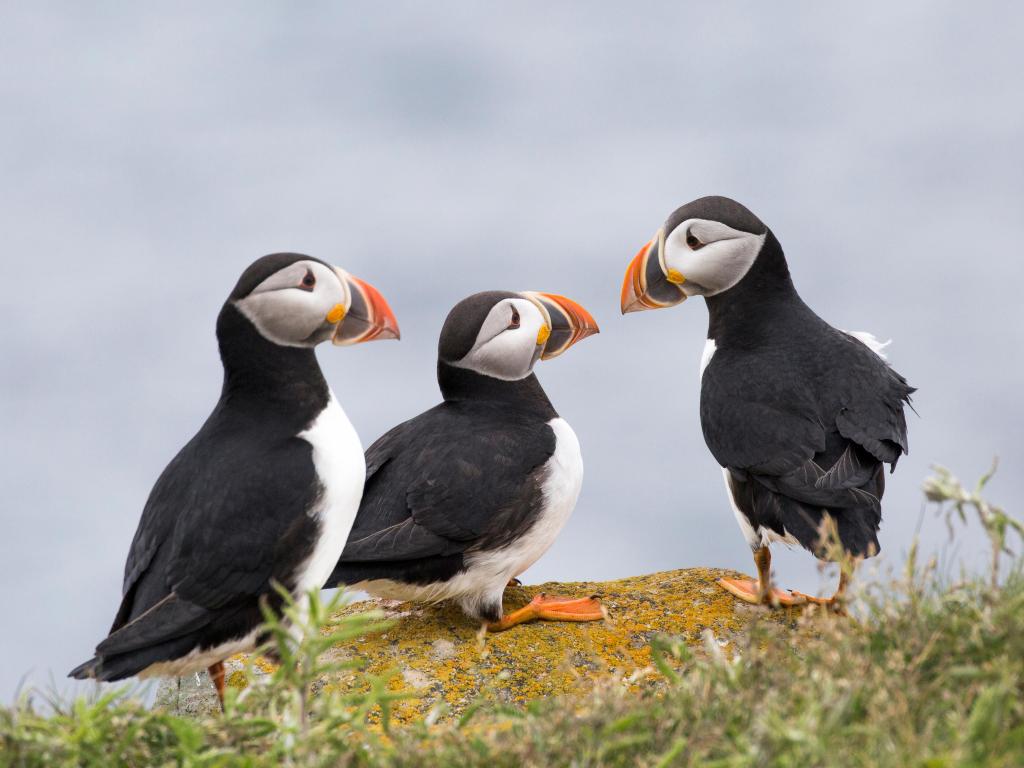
x: 368, y: 316
x: 647, y: 284
x: 567, y: 322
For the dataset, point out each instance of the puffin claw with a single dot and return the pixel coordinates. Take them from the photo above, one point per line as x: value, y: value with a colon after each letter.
x: 836, y: 604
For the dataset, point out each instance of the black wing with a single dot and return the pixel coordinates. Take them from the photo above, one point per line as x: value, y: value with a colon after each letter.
x: 226, y: 518
x: 457, y: 477
x: 811, y: 431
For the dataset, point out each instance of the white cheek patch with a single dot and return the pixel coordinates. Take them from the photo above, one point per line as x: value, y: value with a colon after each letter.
x: 288, y: 315
x: 502, y: 352
x: 726, y: 257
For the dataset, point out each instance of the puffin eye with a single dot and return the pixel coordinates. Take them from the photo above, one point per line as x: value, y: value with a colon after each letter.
x: 693, y: 242
x: 308, y: 281
x: 515, y: 320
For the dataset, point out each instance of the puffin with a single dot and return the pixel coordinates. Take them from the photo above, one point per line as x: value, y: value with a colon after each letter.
x: 266, y: 491
x: 801, y: 416
x: 466, y: 496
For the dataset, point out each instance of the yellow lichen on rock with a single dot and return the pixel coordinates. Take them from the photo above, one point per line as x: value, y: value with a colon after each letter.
x: 438, y: 651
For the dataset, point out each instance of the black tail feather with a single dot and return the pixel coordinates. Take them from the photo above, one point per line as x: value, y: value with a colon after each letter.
x: 767, y: 505
x: 119, y: 666
x: 855, y: 527
x: 86, y: 670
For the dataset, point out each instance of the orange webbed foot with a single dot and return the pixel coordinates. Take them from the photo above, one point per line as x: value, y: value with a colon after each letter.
x: 552, y: 608
x: 749, y: 591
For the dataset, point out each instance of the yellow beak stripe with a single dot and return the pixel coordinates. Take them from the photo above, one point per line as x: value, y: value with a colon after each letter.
x: 543, y: 334
x: 337, y: 314
x: 675, y: 276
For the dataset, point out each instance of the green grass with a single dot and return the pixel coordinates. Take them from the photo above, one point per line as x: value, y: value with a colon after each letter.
x: 934, y: 678
x: 929, y: 673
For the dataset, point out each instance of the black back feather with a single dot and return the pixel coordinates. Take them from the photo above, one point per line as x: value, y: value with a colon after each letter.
x: 227, y: 517
x: 462, y: 477
x: 802, y: 415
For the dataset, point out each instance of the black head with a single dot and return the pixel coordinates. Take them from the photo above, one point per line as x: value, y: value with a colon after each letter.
x: 462, y: 326
x: 294, y: 300
x: 502, y: 334
x: 264, y: 267
x: 705, y: 248
x: 723, y: 210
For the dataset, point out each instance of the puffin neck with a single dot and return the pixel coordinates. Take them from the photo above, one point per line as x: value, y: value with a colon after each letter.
x: 524, y: 395
x: 747, y: 313
x: 264, y: 375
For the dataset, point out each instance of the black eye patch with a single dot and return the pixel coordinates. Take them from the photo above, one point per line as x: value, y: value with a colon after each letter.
x: 693, y: 242
x: 308, y: 281
x: 515, y: 319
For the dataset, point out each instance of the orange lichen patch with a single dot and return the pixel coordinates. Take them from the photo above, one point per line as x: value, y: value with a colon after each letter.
x: 237, y: 672
x: 237, y: 679
x: 263, y: 665
x: 438, y: 653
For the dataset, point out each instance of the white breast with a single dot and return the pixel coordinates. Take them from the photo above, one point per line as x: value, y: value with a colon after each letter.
x: 705, y: 358
x: 341, y: 468
x: 561, y: 489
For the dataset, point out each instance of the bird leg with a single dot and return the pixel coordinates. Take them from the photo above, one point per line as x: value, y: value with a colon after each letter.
x: 761, y: 592
x: 838, y: 601
x: 551, y: 608
x: 217, y: 675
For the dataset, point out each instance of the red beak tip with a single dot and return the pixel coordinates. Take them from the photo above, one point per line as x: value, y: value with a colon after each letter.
x: 381, y: 320
x: 387, y: 322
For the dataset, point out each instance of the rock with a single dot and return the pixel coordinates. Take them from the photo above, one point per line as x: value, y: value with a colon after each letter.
x: 195, y: 695
x: 437, y: 652
x: 192, y: 695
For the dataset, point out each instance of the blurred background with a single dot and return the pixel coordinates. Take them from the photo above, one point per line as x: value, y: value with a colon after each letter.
x: 436, y: 150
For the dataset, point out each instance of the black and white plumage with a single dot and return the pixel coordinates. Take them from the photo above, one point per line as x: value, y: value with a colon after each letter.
x: 464, y: 497
x: 266, y: 491
x: 801, y: 416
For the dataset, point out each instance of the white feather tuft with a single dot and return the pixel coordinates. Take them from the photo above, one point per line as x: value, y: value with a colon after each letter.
x: 870, y: 341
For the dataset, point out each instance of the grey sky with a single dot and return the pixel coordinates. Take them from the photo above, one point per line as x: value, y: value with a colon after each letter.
x: 439, y: 149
